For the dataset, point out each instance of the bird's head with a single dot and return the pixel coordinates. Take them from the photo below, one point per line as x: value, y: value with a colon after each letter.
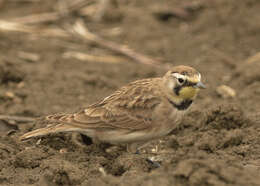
x: 182, y: 84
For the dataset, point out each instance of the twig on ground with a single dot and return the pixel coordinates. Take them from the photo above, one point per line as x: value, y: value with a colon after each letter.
x: 103, y: 7
x: 17, y: 118
x: 25, y: 1
x: 18, y: 27
x: 78, y: 4
x: 92, y: 58
x: 81, y: 31
x: 254, y: 58
x: 28, y: 56
x: 52, y: 16
x: 37, y: 18
x: 184, y: 11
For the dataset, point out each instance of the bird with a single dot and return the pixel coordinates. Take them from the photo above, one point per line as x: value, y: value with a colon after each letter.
x: 135, y: 114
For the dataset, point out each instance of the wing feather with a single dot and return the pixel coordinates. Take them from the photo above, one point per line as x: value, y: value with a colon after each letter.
x: 131, y: 108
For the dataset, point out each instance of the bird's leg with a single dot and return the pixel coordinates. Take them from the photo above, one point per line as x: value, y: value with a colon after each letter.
x: 154, y: 163
x: 131, y: 148
x: 135, y: 147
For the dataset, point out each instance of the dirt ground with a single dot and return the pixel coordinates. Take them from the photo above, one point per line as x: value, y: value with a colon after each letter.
x: 218, y: 142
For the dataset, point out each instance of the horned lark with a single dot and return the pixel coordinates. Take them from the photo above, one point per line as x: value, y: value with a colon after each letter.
x: 141, y: 111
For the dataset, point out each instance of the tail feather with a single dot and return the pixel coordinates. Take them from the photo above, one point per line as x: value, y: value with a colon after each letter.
x: 47, y: 130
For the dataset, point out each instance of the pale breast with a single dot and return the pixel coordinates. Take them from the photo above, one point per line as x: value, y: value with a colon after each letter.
x: 166, y: 118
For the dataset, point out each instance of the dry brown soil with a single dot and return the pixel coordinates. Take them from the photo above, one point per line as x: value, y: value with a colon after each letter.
x: 218, y: 143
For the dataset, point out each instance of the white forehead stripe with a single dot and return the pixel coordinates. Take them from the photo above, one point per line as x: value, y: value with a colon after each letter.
x: 177, y: 75
x: 195, y: 78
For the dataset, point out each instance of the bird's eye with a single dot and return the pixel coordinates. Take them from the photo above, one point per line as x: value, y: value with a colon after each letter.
x: 180, y: 80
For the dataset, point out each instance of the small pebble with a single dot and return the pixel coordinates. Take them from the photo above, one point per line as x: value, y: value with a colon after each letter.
x: 38, y: 142
x: 63, y: 150
x: 9, y: 94
x: 226, y: 91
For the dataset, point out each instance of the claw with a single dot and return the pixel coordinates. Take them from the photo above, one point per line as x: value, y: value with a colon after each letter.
x: 154, y: 163
x: 137, y: 152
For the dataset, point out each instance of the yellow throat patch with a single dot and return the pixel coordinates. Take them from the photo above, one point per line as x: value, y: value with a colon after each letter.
x: 188, y: 92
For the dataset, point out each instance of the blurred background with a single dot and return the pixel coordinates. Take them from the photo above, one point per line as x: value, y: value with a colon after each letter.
x: 62, y: 55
